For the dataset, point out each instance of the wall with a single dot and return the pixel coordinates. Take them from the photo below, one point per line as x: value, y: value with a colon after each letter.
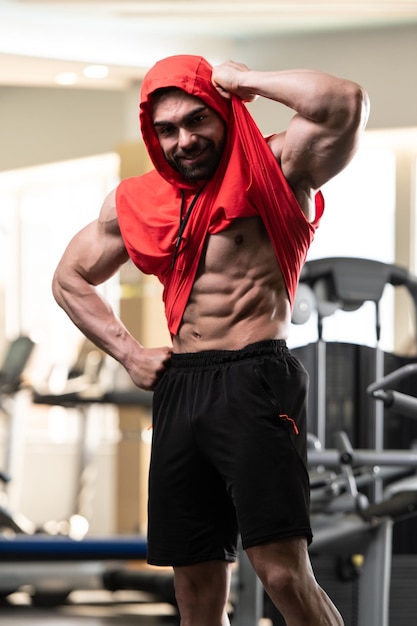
x: 382, y: 60
x: 41, y: 125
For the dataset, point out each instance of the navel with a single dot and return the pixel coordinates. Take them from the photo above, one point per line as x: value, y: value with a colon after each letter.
x: 238, y: 239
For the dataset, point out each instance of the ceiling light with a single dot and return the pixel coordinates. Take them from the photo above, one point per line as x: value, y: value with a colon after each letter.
x: 66, y: 78
x: 96, y: 71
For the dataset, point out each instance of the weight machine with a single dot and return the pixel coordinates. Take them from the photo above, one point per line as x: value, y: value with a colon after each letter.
x: 15, y: 360
x: 344, y: 521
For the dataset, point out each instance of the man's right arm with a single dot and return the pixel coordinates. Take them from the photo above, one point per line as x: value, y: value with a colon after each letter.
x: 92, y: 257
x: 323, y: 135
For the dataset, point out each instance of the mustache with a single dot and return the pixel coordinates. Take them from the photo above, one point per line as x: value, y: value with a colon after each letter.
x: 183, y: 154
x: 194, y: 150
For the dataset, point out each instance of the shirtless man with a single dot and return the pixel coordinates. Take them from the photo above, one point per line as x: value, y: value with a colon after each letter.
x: 229, y: 431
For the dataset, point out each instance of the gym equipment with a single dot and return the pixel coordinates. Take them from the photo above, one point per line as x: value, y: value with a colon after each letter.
x: 344, y: 521
x: 80, y: 393
x: 14, y: 363
x: 331, y: 284
x: 77, y: 399
x: 399, y: 502
x: 53, y: 566
x: 390, y: 397
x: 82, y: 388
x: 348, y: 525
x: 17, y: 354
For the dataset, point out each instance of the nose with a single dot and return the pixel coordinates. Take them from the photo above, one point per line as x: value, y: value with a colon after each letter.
x: 186, y: 139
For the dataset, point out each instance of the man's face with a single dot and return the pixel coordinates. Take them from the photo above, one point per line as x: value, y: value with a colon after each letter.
x: 191, y: 134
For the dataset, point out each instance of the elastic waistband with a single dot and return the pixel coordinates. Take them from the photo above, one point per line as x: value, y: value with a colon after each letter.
x: 206, y: 358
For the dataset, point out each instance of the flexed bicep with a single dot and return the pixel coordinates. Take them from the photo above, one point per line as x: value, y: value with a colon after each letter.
x: 316, y: 147
x: 322, y: 137
x: 95, y: 253
x: 312, y: 154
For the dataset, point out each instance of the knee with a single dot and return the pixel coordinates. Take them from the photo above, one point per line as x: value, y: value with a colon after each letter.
x: 189, y: 592
x: 281, y: 579
x: 283, y: 566
x: 198, y: 590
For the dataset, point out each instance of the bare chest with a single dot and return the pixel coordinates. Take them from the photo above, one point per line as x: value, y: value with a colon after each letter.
x: 238, y: 295
x: 244, y: 246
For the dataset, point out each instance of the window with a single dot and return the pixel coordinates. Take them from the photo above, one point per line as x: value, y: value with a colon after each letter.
x: 359, y: 221
x: 42, y: 208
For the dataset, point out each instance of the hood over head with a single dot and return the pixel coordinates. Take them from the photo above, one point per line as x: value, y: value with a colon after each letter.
x: 192, y: 74
x: 247, y: 183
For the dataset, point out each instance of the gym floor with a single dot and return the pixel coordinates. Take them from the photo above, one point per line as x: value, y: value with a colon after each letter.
x: 89, y: 609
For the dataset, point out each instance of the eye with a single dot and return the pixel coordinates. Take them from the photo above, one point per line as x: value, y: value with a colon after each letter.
x: 164, y: 130
x: 198, y: 119
x: 195, y: 124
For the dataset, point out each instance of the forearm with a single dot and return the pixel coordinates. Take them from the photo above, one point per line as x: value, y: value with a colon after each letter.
x: 317, y: 96
x: 321, y: 98
x: 93, y: 316
x: 94, y: 255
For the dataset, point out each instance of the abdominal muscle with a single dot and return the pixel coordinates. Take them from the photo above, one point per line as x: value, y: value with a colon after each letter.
x: 239, y: 296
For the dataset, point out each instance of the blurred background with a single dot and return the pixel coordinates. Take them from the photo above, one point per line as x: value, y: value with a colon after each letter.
x: 70, y: 75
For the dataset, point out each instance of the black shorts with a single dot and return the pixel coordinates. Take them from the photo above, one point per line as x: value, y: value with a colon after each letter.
x: 228, y: 454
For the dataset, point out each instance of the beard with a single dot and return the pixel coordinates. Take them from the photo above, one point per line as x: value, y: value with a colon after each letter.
x: 206, y: 164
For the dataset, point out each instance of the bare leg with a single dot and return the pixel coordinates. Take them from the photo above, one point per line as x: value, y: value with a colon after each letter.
x: 285, y: 571
x: 202, y: 591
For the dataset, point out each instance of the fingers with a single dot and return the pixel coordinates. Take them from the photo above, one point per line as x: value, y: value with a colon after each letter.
x: 222, y: 92
x: 159, y: 366
x: 149, y: 366
x: 224, y: 77
x: 227, y: 79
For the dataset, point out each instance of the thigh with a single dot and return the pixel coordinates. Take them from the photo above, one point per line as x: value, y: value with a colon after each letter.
x: 271, y: 483
x: 190, y: 516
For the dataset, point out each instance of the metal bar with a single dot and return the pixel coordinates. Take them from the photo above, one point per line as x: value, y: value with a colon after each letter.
x: 389, y: 379
x: 249, y: 607
x: 375, y: 579
x: 331, y: 458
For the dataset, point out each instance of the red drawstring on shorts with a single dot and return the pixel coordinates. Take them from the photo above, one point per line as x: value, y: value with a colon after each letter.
x: 284, y: 416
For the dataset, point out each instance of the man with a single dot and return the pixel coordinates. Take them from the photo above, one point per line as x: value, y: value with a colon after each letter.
x: 225, y: 221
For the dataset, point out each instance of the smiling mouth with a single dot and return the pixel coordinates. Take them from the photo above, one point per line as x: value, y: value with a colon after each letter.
x: 192, y: 157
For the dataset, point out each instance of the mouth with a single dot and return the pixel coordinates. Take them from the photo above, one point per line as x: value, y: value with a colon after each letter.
x: 191, y: 158
x: 197, y: 163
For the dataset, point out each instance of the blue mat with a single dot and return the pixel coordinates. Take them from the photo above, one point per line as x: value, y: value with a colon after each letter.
x: 43, y: 547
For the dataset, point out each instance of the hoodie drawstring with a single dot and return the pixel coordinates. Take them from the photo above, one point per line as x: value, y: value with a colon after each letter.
x: 183, y: 222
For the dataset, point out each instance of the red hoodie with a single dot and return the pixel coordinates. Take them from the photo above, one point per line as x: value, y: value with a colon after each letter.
x: 248, y: 182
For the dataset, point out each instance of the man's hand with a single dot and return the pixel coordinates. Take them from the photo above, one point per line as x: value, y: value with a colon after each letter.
x: 229, y: 78
x: 147, y: 366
